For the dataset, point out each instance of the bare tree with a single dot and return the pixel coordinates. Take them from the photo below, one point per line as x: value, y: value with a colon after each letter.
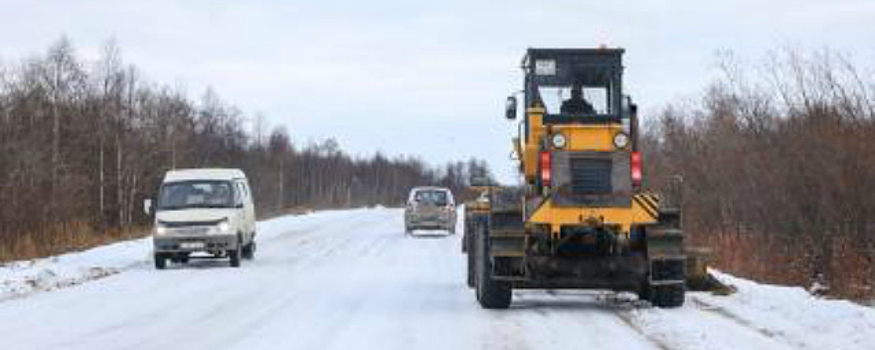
x: 775, y: 163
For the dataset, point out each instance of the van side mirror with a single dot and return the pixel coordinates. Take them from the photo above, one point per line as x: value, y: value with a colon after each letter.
x: 147, y: 206
x: 510, y: 108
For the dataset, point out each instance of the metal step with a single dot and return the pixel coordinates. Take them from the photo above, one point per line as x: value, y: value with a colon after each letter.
x: 507, y: 253
x: 511, y: 246
x: 664, y: 232
x: 507, y: 233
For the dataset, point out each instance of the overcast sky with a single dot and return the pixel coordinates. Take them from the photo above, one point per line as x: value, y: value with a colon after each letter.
x: 422, y: 78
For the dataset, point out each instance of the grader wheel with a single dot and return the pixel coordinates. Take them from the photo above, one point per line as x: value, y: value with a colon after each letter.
x: 666, y: 281
x: 491, y: 294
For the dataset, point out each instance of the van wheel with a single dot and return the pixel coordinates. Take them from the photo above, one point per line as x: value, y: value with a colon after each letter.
x: 160, y: 261
x: 234, y: 254
x: 249, y: 251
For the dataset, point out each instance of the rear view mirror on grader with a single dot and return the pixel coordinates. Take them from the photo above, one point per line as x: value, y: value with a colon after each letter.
x: 581, y: 219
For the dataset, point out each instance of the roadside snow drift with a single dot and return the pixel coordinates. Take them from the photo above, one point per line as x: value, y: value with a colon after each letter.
x: 351, y: 279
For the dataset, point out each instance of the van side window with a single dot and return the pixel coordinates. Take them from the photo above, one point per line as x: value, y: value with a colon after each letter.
x: 239, y: 194
x: 244, y: 190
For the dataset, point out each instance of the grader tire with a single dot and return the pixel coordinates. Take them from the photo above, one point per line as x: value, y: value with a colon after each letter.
x: 666, y: 296
x: 491, y: 294
x: 471, y: 262
x: 666, y: 239
x: 466, y: 230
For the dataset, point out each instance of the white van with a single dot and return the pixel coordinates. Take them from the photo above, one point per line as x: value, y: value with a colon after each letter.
x: 203, y: 210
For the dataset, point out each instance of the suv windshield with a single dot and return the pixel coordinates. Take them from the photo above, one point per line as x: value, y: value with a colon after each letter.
x: 196, y: 194
x: 438, y: 198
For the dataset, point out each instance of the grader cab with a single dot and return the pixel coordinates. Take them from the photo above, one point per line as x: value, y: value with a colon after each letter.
x: 581, y: 218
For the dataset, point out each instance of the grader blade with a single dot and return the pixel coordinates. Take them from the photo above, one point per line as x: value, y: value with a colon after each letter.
x: 698, y: 277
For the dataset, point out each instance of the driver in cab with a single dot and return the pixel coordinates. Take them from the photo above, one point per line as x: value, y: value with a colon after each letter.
x: 576, y: 104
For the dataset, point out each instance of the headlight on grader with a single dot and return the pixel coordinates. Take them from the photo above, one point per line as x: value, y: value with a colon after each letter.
x: 621, y: 140
x: 558, y: 140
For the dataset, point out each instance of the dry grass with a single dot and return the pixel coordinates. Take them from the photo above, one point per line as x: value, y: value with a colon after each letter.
x: 849, y: 273
x: 77, y: 236
x: 266, y: 215
x: 61, y: 238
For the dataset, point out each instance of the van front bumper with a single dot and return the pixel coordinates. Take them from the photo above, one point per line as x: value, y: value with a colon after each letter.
x: 199, y: 243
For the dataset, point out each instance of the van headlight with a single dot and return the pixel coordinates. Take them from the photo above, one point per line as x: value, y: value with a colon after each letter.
x: 160, y: 230
x: 224, y: 227
x: 621, y: 140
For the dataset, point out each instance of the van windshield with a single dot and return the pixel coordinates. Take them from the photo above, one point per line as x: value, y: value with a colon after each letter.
x: 196, y: 194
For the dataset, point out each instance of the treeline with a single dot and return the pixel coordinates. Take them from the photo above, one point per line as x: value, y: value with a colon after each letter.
x: 777, y: 161
x: 83, y: 142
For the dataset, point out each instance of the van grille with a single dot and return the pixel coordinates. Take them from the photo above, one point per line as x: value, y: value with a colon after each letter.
x: 591, y: 176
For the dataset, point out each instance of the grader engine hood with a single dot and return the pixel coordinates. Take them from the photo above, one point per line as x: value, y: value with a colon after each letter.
x: 591, y: 179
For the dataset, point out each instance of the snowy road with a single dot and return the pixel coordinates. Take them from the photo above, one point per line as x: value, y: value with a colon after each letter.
x: 351, y: 280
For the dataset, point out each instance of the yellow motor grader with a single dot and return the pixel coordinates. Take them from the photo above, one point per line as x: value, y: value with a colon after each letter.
x: 581, y: 218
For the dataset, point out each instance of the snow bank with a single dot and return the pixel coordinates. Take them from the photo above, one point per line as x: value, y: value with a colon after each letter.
x: 21, y: 278
x: 794, y: 315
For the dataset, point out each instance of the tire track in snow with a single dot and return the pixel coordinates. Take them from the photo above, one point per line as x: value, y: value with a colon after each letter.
x: 657, y: 342
x: 47, y: 280
x: 720, y: 311
x: 319, y: 244
x: 691, y: 328
x: 622, y: 307
x: 507, y: 334
x: 597, y: 313
x: 353, y: 280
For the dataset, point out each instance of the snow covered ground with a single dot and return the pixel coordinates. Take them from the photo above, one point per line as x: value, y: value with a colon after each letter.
x: 350, y: 279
